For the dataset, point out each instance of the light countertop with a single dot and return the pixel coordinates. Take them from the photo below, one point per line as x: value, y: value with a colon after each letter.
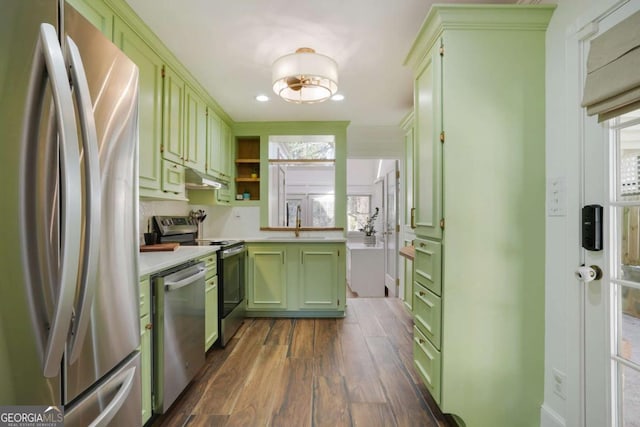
x: 153, y: 262
x: 282, y: 239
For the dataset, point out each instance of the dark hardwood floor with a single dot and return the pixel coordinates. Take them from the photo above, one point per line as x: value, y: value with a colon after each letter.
x: 356, y: 371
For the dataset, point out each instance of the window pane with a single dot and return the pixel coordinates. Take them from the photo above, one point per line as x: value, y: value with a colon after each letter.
x: 630, y: 385
x: 358, y: 209
x: 629, y: 163
x: 322, y: 208
x: 314, y: 147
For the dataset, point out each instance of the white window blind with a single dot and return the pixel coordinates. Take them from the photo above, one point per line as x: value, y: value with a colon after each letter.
x: 612, y: 87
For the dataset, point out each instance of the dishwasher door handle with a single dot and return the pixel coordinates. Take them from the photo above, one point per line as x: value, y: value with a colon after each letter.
x: 172, y: 286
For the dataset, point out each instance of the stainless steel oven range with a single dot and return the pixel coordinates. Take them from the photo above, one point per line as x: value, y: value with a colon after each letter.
x: 231, y: 285
x: 231, y: 269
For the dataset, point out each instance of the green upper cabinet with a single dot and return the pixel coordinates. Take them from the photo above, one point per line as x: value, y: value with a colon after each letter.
x: 195, y: 138
x: 150, y: 105
x: 173, y: 116
x: 409, y: 174
x: 214, y: 163
x: 226, y: 150
x: 428, y: 146
x: 318, y: 277
x: 98, y: 13
x: 267, y: 279
x: 480, y: 143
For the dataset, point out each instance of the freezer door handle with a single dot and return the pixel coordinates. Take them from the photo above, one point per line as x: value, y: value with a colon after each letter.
x: 172, y: 286
x: 114, y: 406
x: 89, y: 260
x: 44, y: 274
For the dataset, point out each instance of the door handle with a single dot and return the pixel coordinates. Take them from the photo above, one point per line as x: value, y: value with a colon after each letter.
x: 89, y: 272
x: 589, y: 274
x: 413, y: 218
x: 48, y: 63
x: 114, y: 406
x: 172, y: 286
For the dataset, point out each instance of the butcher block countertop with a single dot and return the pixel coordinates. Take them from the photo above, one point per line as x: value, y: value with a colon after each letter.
x: 154, y: 262
x: 408, y: 252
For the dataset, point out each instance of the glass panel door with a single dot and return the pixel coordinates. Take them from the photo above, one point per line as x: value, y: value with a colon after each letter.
x: 625, y: 283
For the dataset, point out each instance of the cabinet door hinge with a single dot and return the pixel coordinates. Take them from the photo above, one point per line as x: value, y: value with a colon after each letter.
x: 442, y: 50
x: 338, y: 252
x: 338, y: 301
x: 162, y: 148
x: 442, y: 223
x: 397, y: 228
x: 162, y: 73
x: 442, y: 137
x: 397, y: 174
x: 398, y: 282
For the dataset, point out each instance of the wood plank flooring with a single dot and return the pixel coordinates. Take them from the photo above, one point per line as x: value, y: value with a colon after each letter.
x: 356, y: 371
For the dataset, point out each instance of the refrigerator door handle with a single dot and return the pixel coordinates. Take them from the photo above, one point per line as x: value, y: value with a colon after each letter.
x: 51, y: 330
x: 89, y: 259
x: 114, y: 406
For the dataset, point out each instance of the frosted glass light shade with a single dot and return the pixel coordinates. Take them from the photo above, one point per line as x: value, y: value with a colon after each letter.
x: 305, y: 77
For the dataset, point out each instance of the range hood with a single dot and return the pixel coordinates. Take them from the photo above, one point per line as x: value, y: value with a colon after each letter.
x: 195, y: 180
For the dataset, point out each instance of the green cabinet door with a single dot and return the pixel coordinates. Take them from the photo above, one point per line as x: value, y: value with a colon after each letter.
x: 145, y: 365
x: 408, y: 280
x: 150, y: 105
x: 226, y: 150
x: 211, y: 312
x: 428, y: 146
x: 213, y: 145
x: 318, y: 277
x: 267, y: 278
x: 409, y: 177
x: 173, y: 185
x: 173, y: 116
x: 195, y: 138
x: 96, y: 12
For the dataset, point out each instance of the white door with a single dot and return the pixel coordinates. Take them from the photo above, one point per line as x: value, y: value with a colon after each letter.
x: 610, y: 166
x: 391, y: 183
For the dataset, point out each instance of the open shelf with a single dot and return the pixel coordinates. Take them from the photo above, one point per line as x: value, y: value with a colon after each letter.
x: 248, y: 166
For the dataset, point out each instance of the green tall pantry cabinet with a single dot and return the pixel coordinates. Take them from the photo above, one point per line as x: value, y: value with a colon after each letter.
x: 478, y: 294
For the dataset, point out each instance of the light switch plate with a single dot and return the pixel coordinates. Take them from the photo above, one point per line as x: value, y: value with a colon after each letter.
x: 557, y: 197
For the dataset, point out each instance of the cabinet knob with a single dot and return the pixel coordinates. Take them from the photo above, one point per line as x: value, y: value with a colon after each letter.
x: 421, y: 293
x: 422, y: 245
x: 148, y: 326
x: 420, y: 340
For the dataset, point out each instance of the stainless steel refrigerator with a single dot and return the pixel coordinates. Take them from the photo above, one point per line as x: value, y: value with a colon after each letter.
x: 69, y: 325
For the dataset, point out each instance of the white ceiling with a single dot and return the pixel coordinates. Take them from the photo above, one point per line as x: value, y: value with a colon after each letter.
x: 229, y: 47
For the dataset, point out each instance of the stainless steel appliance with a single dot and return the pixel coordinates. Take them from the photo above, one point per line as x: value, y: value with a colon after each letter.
x: 179, y: 320
x: 231, y: 268
x: 231, y: 285
x: 69, y: 324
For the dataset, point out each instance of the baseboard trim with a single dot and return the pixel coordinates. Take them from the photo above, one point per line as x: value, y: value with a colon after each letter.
x: 550, y: 418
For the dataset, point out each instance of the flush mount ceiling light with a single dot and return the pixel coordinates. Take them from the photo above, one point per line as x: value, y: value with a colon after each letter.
x: 305, y: 77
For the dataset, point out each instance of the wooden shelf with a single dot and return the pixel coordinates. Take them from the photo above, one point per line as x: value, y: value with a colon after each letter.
x: 247, y: 179
x: 247, y: 160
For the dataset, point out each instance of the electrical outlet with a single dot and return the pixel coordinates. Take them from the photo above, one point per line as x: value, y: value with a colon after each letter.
x: 557, y: 197
x: 559, y: 383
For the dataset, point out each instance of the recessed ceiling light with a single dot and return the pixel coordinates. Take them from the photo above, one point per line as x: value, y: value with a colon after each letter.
x: 262, y: 98
x: 337, y: 97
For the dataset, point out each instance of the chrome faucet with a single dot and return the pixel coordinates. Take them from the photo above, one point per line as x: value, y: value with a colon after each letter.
x: 298, y: 220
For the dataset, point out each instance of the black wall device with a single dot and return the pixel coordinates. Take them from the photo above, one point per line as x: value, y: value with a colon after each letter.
x: 592, y: 227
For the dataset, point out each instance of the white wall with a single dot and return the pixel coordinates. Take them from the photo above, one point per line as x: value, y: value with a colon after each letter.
x: 361, y: 173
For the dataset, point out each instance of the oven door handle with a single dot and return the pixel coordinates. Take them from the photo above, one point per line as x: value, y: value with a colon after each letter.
x: 172, y: 286
x: 227, y: 253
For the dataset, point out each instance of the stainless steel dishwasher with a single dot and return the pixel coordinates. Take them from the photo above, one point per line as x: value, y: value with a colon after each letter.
x: 179, y: 332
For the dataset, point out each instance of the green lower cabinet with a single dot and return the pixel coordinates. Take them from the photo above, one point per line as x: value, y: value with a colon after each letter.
x: 318, y: 278
x: 145, y: 366
x: 408, y: 280
x: 428, y: 363
x: 211, y: 312
x: 267, y: 278
x: 295, y: 279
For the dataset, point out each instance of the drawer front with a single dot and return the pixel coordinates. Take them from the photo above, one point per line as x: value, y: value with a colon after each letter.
x: 211, y: 264
x: 145, y: 296
x: 427, y: 310
x: 428, y: 265
x: 427, y: 360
